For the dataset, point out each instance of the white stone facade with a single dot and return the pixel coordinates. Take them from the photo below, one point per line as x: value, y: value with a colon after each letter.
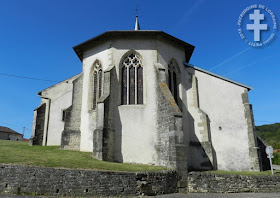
x: 194, y: 120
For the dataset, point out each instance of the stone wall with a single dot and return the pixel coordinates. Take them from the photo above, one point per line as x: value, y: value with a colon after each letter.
x: 199, y: 182
x: 71, y: 182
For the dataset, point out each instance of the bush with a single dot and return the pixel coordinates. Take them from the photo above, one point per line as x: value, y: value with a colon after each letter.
x: 276, y: 159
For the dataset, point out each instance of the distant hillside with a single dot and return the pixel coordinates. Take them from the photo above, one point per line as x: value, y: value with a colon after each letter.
x: 270, y: 133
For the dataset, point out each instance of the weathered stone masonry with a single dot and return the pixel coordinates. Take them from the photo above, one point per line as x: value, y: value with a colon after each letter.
x: 170, y: 148
x: 104, y: 134
x: 66, y: 182
x: 40, y: 124
x: 252, y: 139
x: 72, y: 182
x: 70, y: 138
x: 199, y: 182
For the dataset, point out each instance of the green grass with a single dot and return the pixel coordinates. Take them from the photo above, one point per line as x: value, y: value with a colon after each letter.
x: 52, y: 156
x: 276, y: 172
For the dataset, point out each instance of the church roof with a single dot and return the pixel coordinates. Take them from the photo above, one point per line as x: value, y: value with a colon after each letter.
x: 218, y: 76
x: 156, y: 34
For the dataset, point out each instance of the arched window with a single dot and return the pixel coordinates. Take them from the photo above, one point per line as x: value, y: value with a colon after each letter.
x: 173, y: 75
x: 97, y: 83
x: 131, y: 80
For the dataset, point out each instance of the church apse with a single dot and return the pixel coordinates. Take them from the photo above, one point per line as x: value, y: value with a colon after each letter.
x: 136, y: 101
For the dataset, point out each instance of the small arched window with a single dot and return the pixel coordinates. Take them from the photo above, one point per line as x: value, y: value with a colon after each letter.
x: 97, y: 83
x: 131, y: 80
x: 173, y: 81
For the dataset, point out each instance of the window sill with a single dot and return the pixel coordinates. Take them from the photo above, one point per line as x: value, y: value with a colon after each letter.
x: 133, y: 105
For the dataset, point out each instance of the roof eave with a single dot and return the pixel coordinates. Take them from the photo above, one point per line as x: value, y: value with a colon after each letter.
x: 218, y: 76
x: 106, y: 35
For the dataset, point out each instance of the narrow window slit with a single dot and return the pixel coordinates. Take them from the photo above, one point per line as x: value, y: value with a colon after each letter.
x: 132, y: 85
x: 94, y: 89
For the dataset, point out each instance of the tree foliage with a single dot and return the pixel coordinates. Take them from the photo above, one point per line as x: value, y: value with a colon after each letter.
x: 270, y: 133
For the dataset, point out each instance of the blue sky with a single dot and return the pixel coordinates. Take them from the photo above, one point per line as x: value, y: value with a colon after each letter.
x: 37, y: 36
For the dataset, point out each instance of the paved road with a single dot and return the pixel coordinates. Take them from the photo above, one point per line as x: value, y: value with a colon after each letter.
x: 215, y: 195
x: 275, y: 167
x: 192, y: 195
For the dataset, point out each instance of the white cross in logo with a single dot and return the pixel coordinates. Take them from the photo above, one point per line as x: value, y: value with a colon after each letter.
x: 257, y: 27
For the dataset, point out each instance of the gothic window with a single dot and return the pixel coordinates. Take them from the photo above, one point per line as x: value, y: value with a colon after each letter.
x: 97, y: 83
x: 173, y: 81
x: 131, y: 80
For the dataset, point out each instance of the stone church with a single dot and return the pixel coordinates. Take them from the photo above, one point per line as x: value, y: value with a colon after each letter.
x: 139, y: 100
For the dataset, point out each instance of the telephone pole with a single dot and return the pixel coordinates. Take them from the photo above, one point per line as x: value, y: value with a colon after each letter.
x: 23, y: 131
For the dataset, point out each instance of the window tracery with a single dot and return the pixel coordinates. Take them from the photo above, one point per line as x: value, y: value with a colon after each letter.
x: 173, y: 78
x: 132, y: 80
x: 97, y: 83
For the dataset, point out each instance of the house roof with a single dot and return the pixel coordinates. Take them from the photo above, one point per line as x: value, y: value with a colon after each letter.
x: 8, y: 130
x: 218, y: 76
x: 156, y: 34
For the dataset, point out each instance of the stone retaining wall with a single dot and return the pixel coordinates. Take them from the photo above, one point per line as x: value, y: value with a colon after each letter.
x: 217, y: 183
x: 70, y: 182
x: 17, y: 179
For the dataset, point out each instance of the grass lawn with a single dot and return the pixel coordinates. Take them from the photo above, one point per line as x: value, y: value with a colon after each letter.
x: 268, y: 172
x: 52, y: 156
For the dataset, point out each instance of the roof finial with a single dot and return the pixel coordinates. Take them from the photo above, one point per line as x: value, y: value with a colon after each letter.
x: 137, y: 26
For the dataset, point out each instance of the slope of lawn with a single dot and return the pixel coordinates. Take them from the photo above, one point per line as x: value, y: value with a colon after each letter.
x: 52, y: 156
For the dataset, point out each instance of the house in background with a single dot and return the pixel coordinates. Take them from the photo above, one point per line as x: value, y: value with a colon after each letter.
x: 9, y: 134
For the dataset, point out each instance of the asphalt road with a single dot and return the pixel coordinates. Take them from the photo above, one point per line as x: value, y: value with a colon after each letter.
x: 275, y: 167
x: 177, y: 195
x: 215, y: 195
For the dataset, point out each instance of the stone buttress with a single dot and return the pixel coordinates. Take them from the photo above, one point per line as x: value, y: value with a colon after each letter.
x: 38, y: 125
x: 104, y: 134
x: 70, y: 139
x: 169, y: 145
x: 200, y: 144
x: 254, y: 152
